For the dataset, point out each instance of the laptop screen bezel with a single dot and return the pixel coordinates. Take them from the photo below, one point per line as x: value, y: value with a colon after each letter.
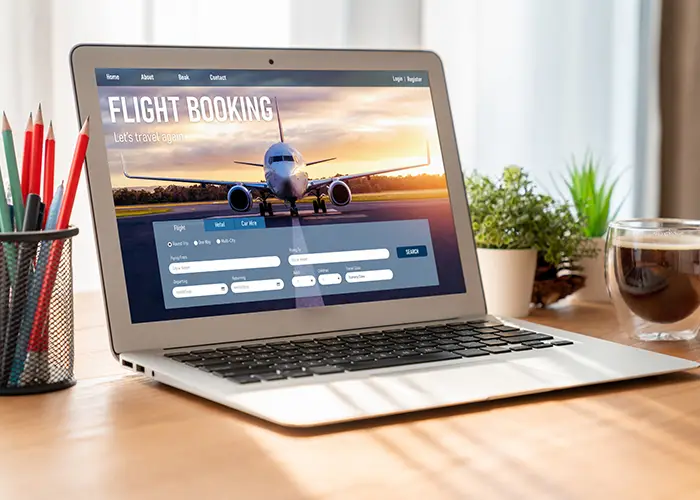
x: 126, y: 336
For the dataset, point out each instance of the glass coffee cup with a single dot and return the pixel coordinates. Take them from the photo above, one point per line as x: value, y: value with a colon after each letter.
x: 652, y: 270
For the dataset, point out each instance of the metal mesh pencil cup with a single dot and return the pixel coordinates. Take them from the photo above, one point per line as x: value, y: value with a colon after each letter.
x: 36, y: 312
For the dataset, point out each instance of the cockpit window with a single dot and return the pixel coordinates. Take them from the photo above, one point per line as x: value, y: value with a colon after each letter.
x: 281, y: 158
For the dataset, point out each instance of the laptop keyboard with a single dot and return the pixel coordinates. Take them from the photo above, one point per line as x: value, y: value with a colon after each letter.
x: 280, y: 360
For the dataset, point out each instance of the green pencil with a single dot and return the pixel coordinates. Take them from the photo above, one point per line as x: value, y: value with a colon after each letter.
x: 13, y: 173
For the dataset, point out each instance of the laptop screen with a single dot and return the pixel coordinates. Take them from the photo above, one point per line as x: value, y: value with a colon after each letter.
x: 246, y: 191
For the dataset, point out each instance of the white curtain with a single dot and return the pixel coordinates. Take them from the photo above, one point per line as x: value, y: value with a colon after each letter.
x: 531, y: 82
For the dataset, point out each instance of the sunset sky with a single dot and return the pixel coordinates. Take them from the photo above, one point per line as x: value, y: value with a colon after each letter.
x: 366, y: 128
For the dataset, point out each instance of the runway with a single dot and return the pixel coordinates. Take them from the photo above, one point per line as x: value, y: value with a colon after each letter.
x: 367, y: 211
x: 141, y: 264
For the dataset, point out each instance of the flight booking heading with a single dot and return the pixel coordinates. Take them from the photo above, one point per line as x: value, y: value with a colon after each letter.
x: 164, y: 109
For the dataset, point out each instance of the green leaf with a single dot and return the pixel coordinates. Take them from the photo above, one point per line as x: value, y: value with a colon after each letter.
x: 510, y: 213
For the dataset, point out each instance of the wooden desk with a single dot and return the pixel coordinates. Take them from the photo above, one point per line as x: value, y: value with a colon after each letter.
x: 122, y: 436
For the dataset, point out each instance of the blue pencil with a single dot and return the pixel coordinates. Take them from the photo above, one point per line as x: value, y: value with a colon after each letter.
x: 22, y: 356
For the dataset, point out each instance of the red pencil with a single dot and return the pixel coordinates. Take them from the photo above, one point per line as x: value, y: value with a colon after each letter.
x: 37, y: 150
x: 27, y: 158
x: 74, y: 176
x: 39, y: 337
x: 49, y: 157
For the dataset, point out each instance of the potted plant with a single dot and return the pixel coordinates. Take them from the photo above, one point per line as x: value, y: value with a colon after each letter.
x: 513, y: 226
x: 591, y: 193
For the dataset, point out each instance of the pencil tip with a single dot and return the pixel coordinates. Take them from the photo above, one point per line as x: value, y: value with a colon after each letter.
x: 50, y: 135
x: 86, y: 126
x: 39, y: 116
x: 5, y: 122
x: 30, y: 122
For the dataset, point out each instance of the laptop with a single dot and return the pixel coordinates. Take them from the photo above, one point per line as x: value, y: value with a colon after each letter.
x: 286, y: 233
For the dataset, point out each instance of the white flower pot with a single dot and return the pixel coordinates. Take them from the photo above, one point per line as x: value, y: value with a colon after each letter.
x: 594, y: 271
x: 507, y: 277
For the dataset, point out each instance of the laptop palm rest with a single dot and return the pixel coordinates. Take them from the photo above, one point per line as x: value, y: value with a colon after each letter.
x: 411, y: 389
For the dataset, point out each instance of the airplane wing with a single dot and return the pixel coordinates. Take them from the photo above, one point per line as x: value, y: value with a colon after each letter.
x: 249, y: 163
x: 321, y: 161
x: 319, y: 183
x: 260, y: 186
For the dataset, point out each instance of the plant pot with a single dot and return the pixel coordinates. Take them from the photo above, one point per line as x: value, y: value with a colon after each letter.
x: 507, y: 277
x: 593, y: 268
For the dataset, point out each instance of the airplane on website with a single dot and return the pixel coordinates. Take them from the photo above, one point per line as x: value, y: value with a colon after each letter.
x: 286, y: 178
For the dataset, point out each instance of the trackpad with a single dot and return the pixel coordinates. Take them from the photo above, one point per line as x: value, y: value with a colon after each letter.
x: 392, y: 393
x: 474, y: 382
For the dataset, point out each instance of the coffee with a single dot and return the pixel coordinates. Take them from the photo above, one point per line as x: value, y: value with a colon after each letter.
x: 658, y: 278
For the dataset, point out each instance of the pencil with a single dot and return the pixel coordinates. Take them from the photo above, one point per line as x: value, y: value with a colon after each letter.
x: 13, y: 173
x: 74, y: 176
x: 26, y: 160
x: 50, y: 155
x: 27, y: 346
x: 10, y: 252
x: 37, y: 150
x: 20, y: 287
x: 62, y: 222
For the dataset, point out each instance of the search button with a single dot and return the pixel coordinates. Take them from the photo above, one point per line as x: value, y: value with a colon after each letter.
x: 414, y: 251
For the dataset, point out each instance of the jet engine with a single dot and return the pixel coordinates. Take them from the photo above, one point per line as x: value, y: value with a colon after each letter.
x: 239, y: 199
x: 339, y: 193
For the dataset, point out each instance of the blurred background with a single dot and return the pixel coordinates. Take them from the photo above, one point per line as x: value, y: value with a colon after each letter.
x: 531, y: 82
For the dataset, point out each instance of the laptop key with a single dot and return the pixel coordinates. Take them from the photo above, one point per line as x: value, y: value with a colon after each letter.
x: 269, y: 377
x: 426, y: 344
x: 232, y: 351
x: 440, y: 330
x: 245, y: 379
x: 451, y: 347
x: 471, y: 353
x: 297, y: 373
x: 286, y: 366
x: 309, y: 364
x: 176, y: 354
x: 506, y: 328
x: 212, y: 355
x: 360, y: 358
x: 444, y: 341
x: 521, y: 339
x: 184, y: 358
x: 221, y: 367
x: 476, y: 321
x: 494, y: 342
x: 485, y: 330
x: 385, y: 355
x: 472, y: 345
x: 202, y: 351
x: 428, y: 350
x: 496, y: 349
x: 490, y: 324
x: 543, y: 345
x: 520, y: 348
x: 204, y: 362
x: 561, y: 342
x: 466, y: 338
x: 407, y: 352
x: 407, y: 360
x: 487, y: 336
x: 325, y: 370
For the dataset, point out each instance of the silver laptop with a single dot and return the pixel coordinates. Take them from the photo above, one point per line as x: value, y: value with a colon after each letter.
x: 286, y: 232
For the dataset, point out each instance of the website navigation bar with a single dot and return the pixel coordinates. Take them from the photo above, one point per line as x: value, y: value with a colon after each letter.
x: 128, y: 77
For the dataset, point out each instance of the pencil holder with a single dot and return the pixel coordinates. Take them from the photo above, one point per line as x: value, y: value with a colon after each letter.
x: 36, y: 312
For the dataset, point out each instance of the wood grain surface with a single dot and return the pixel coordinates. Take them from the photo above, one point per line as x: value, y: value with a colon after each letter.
x: 117, y: 435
